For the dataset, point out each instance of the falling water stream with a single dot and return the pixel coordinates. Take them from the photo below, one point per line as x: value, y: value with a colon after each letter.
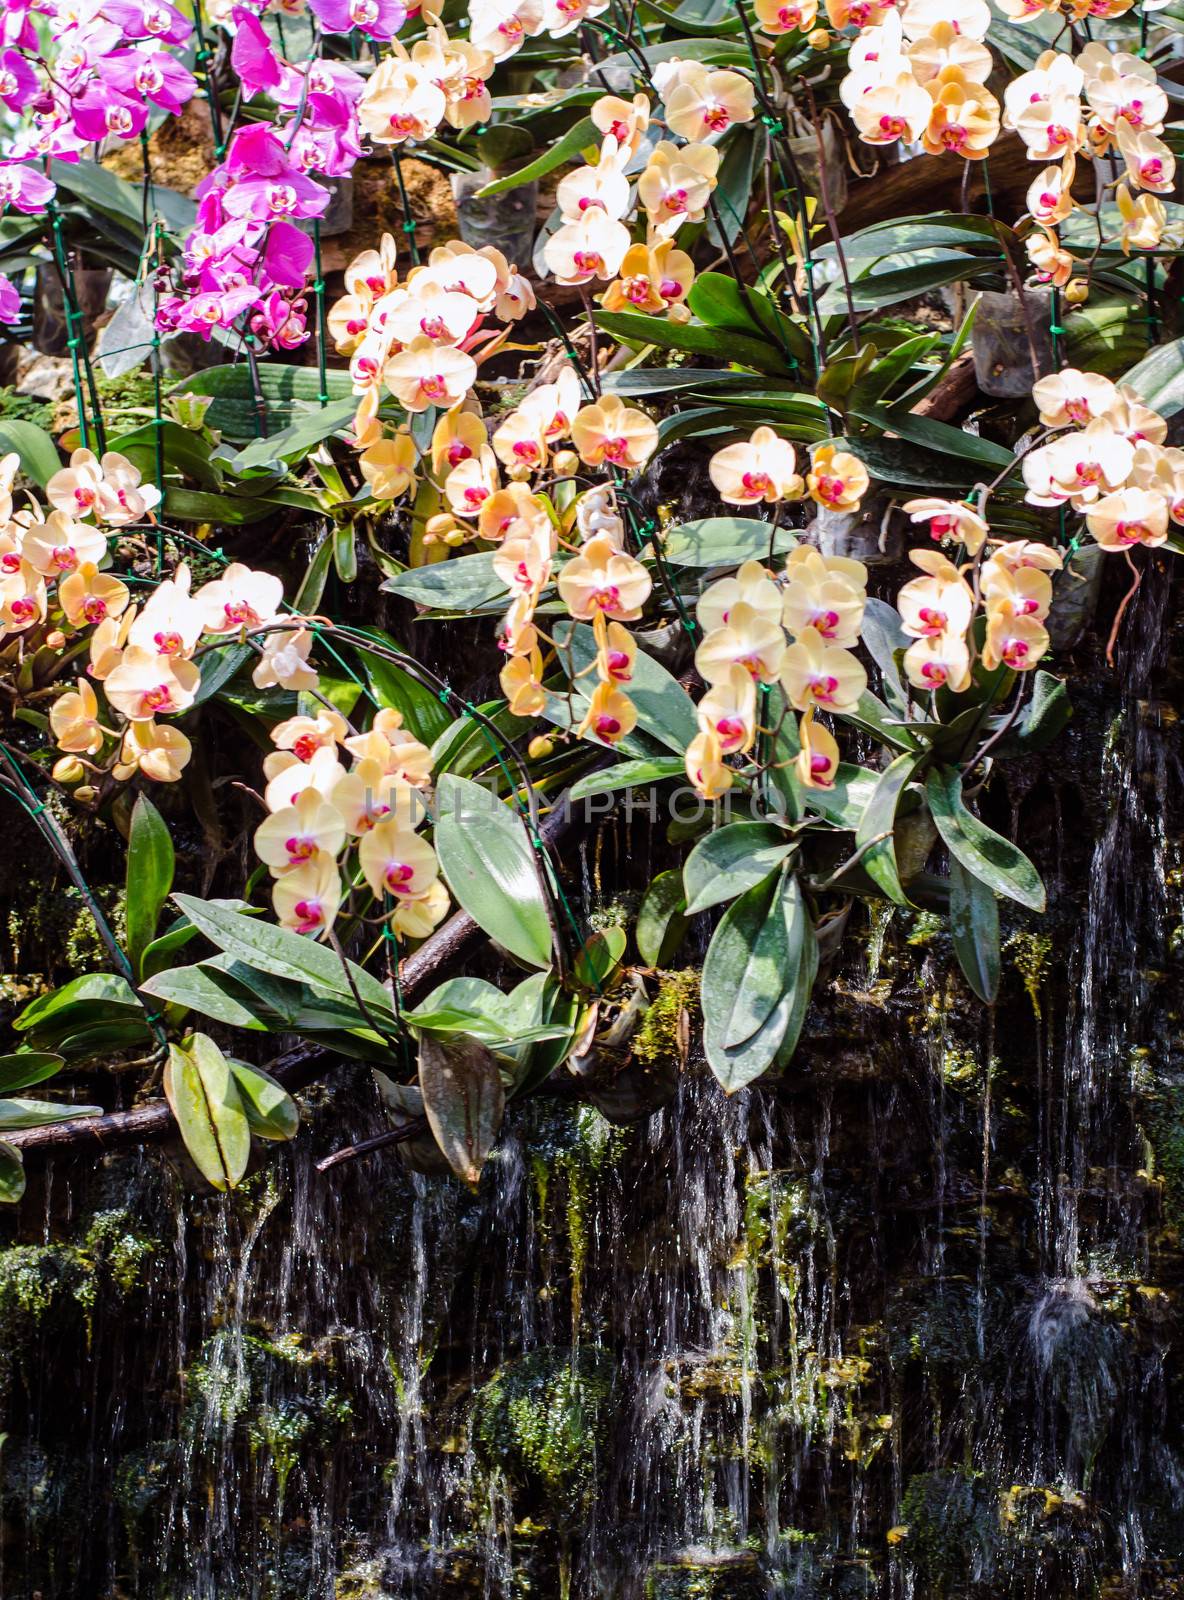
x: 905, y: 1325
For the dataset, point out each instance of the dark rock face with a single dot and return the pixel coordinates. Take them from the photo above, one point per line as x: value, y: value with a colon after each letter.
x: 906, y: 1323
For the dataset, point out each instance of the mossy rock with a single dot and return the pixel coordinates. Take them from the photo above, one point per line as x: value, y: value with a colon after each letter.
x: 541, y: 1423
x: 708, y: 1575
x: 954, y: 1533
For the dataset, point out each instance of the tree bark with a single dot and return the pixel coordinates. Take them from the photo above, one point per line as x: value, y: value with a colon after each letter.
x: 296, y: 1068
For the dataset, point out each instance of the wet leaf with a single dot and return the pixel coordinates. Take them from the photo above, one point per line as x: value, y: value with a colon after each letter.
x: 150, y: 864
x: 879, y: 817
x: 599, y: 958
x: 974, y: 928
x: 463, y: 1099
x: 270, y: 1109
x: 730, y: 860
x: 490, y: 865
x: 27, y: 1067
x: 201, y: 1090
x: 12, y: 1177
x: 40, y: 1113
x: 985, y: 854
x: 661, y: 920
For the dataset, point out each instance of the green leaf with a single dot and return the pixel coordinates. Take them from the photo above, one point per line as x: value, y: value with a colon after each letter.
x: 27, y: 1067
x: 987, y: 855
x: 463, y: 1099
x: 283, y: 954
x: 38, y: 453
x: 150, y: 865
x: 180, y: 932
x: 599, y: 957
x: 183, y: 452
x: 724, y: 542
x: 208, y: 991
x: 194, y: 505
x: 933, y: 435
x: 974, y: 928
x: 1159, y: 378
x: 95, y: 995
x: 873, y: 716
x: 636, y: 328
x: 463, y: 583
x: 294, y: 442
x: 627, y: 775
x: 879, y: 860
x: 12, y: 1179
x: 40, y: 1113
x: 490, y: 865
x: 423, y: 713
x: 845, y: 802
x: 748, y: 981
x: 582, y: 134
x: 120, y: 200
x: 233, y: 411
x: 270, y: 1110
x: 1046, y: 716
x: 661, y: 920
x: 202, y: 1092
x: 718, y: 302
x: 730, y: 860
x: 905, y: 283
x: 883, y: 636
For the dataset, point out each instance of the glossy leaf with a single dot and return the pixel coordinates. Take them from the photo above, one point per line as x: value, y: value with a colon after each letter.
x: 283, y: 954
x: 577, y: 137
x: 207, y: 991
x: 724, y: 542
x: 634, y: 327
x: 730, y: 860
x: 627, y: 775
x: 879, y: 817
x: 461, y: 584
x: 203, y: 1095
x: 599, y: 958
x: 974, y: 929
x: 27, y: 1067
x: 661, y: 920
x: 490, y: 865
x: 463, y: 1099
x: 20, y: 1113
x: 150, y: 865
x: 12, y: 1175
x: 269, y: 1108
x: 987, y: 855
x: 750, y: 980
x: 38, y: 453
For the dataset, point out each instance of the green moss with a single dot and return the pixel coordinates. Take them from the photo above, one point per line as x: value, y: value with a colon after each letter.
x: 282, y: 1431
x: 926, y: 927
x: 658, y: 1037
x: 1029, y: 954
x: 541, y: 1422
x: 952, y: 1517
x: 25, y: 408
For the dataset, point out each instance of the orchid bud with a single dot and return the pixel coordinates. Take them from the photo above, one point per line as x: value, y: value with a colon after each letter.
x: 86, y: 794
x: 539, y: 748
x: 1077, y: 292
x: 55, y: 640
x: 455, y: 538
x: 565, y: 463
x: 68, y: 770
x: 819, y: 39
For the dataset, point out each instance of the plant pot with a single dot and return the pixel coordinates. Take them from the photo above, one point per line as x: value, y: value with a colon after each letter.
x: 859, y: 535
x: 340, y: 215
x: 806, y: 160
x: 1000, y: 341
x: 506, y: 221
x: 50, y: 333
